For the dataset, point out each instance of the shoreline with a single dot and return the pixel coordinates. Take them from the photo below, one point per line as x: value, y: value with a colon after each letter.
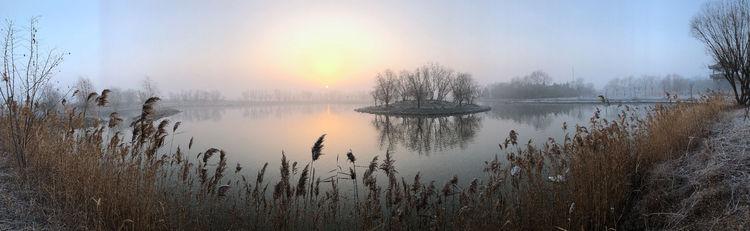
x: 583, y: 101
x: 429, y: 108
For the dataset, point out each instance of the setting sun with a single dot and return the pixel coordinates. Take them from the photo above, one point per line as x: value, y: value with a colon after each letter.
x: 324, y: 50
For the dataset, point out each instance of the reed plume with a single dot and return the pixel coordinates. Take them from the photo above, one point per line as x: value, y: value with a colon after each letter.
x: 102, y: 100
x: 207, y: 155
x: 91, y: 96
x: 316, y: 151
x: 114, y: 120
x: 350, y: 156
x: 302, y: 183
x: 176, y: 126
x: 237, y: 169
x: 317, y: 148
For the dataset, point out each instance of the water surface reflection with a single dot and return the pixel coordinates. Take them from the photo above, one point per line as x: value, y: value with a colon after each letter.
x: 438, y: 147
x: 426, y: 134
x: 539, y: 116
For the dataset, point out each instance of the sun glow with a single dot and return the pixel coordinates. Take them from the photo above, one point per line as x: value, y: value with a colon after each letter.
x: 323, y: 50
x: 327, y: 52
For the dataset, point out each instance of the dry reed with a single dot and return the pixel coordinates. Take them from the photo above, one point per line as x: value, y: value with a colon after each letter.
x: 587, y: 181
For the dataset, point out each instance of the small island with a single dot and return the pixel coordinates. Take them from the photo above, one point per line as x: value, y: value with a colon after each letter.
x: 428, y: 108
x: 430, y: 90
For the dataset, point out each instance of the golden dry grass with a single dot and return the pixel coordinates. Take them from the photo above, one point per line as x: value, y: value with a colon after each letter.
x: 97, y: 180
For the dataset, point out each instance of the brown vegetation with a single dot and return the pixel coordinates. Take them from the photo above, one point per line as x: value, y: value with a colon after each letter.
x: 96, y: 175
x: 708, y: 189
x: 97, y: 179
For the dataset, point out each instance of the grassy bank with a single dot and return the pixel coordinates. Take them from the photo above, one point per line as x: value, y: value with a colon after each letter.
x: 704, y: 189
x: 96, y: 180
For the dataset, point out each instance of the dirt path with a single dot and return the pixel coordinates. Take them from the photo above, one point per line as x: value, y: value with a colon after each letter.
x: 707, y: 189
x: 18, y: 211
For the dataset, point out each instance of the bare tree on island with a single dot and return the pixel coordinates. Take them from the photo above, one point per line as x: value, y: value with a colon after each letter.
x: 442, y: 79
x: 386, y: 87
x: 403, y: 88
x: 25, y: 72
x: 429, y: 82
x: 417, y: 84
x: 465, y: 89
x: 724, y: 28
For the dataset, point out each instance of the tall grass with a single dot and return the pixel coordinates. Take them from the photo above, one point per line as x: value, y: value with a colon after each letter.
x: 98, y: 179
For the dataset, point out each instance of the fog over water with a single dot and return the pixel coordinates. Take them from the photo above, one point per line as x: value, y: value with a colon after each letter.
x: 437, y: 147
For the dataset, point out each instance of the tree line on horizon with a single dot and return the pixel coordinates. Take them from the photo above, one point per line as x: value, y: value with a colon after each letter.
x: 82, y: 93
x: 119, y: 98
x: 659, y: 86
x: 538, y: 85
x: 435, y: 81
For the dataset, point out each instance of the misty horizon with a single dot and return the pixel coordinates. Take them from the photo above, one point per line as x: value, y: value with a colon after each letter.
x: 374, y: 115
x: 236, y: 46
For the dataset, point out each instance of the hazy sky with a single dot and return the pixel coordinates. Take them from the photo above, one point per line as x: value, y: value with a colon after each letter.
x: 237, y: 45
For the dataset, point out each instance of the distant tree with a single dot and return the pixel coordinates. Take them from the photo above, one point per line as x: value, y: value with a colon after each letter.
x: 537, y: 78
x: 538, y: 85
x: 130, y: 97
x: 202, y: 97
x: 724, y: 28
x: 660, y: 86
x: 83, y: 88
x: 51, y: 99
x: 148, y: 89
x: 115, y: 98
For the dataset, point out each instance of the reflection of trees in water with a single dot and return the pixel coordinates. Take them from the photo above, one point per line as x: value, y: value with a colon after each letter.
x: 259, y: 112
x: 426, y: 134
x: 540, y: 116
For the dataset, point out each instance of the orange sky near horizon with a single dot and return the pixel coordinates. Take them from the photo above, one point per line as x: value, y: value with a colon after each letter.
x: 234, y: 46
x: 323, y: 50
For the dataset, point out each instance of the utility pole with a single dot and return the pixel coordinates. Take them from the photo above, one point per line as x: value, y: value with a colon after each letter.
x: 573, y: 74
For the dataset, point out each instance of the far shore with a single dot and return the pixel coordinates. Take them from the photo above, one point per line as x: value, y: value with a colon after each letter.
x: 585, y: 101
x: 130, y: 113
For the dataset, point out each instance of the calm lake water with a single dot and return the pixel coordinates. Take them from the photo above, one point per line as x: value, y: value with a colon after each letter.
x: 436, y: 147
